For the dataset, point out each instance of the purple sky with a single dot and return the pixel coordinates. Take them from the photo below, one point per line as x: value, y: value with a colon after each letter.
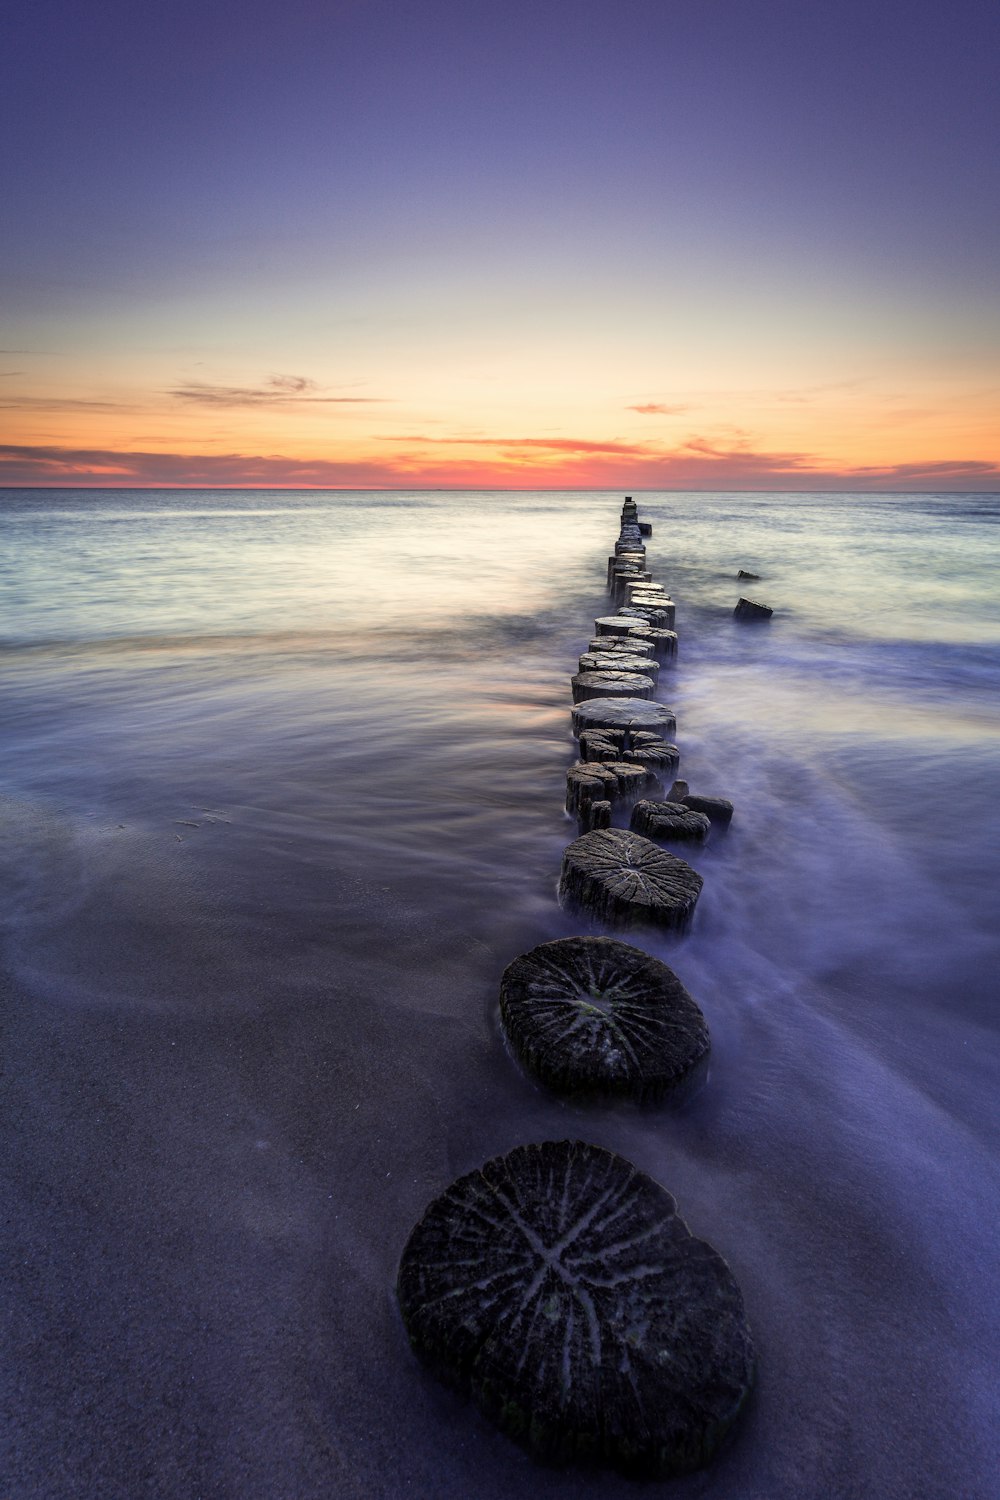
x: 199, y: 187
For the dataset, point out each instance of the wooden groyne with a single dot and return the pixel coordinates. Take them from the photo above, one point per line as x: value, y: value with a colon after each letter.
x: 557, y: 1285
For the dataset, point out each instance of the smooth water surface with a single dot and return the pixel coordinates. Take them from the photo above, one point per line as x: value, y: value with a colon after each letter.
x: 281, y: 781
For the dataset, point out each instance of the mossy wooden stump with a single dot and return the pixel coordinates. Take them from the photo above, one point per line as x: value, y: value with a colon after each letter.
x: 592, y: 1016
x: 624, y: 880
x: 559, y: 1288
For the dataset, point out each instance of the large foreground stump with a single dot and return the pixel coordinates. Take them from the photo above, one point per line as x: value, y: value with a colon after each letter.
x: 625, y: 880
x: 592, y: 1016
x: 559, y: 1288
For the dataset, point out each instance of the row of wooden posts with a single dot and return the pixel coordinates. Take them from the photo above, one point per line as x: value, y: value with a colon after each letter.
x: 556, y: 1284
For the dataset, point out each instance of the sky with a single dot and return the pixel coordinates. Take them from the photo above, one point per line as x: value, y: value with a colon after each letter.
x: 718, y: 244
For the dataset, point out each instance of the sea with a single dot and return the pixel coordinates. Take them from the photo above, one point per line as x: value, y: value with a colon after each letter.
x: 282, y: 777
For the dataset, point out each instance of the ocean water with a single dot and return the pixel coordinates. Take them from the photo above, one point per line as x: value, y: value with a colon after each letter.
x: 281, y: 786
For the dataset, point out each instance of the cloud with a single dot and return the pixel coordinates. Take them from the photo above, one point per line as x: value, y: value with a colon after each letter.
x: 962, y: 468
x: 48, y: 465
x: 806, y: 394
x: 657, y: 409
x: 59, y: 403
x: 513, y: 444
x: 698, y: 465
x: 277, y: 390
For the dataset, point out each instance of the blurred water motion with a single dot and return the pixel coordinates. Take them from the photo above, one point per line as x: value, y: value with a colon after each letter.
x: 282, y: 784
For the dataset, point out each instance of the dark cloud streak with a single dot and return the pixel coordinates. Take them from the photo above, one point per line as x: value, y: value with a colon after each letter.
x: 695, y: 465
x: 277, y: 390
x: 59, y: 403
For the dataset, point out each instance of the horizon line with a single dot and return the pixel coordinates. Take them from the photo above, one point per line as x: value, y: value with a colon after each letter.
x: 338, y: 489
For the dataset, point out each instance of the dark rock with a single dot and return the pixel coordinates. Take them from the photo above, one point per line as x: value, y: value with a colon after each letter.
x: 669, y: 822
x: 625, y: 880
x: 559, y: 1288
x: 619, y: 661
x: 589, y: 1015
x: 623, y: 713
x: 718, y: 810
x: 617, y: 624
x: 663, y: 642
x: 749, y: 609
x: 611, y: 685
x: 645, y: 528
x: 744, y: 574
x: 677, y: 792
